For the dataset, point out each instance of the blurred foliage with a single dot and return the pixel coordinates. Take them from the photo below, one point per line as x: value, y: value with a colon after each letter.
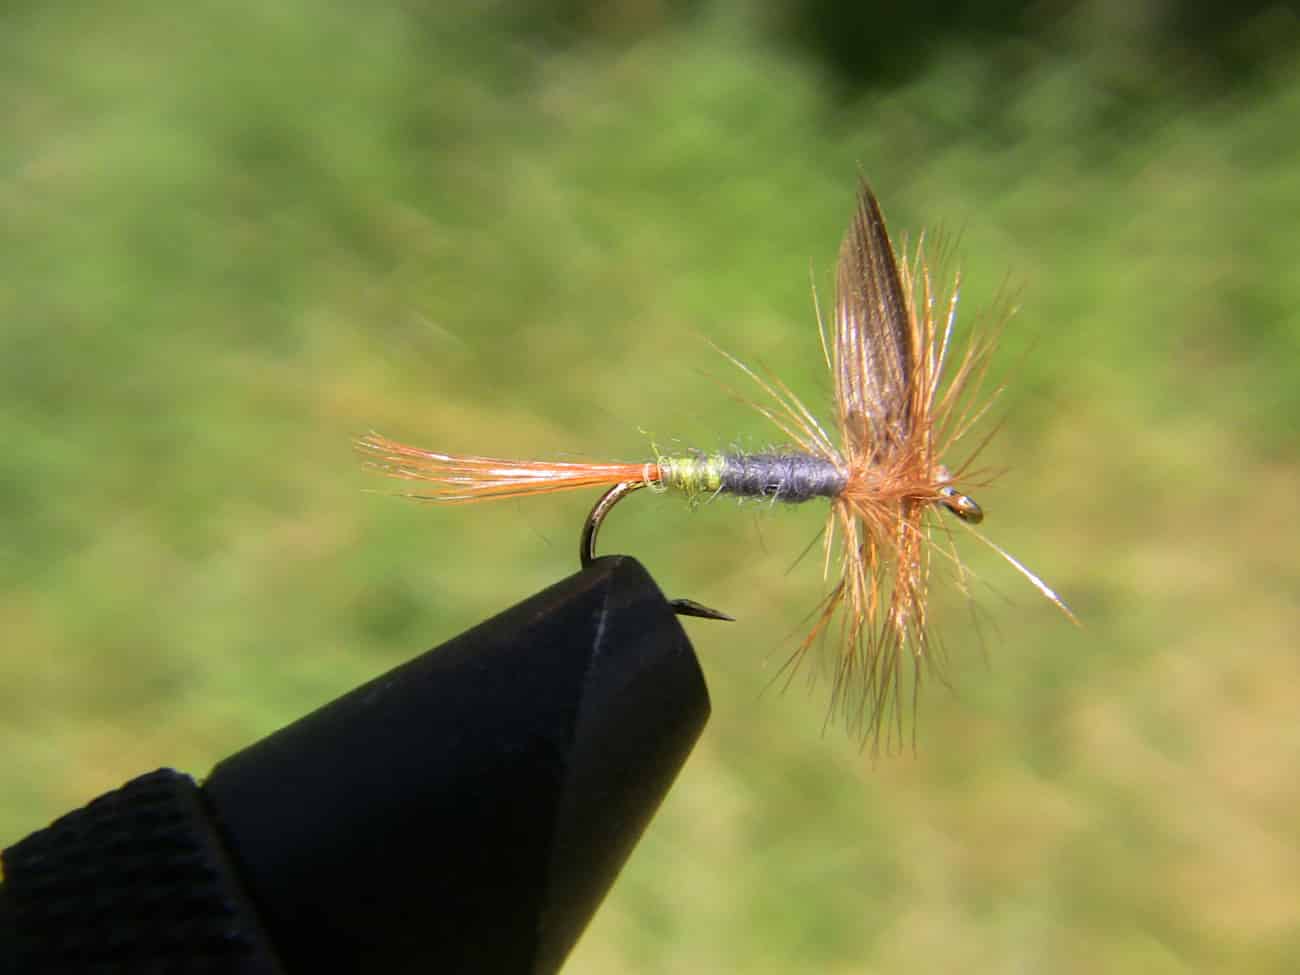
x: 1201, y: 42
x: 233, y: 236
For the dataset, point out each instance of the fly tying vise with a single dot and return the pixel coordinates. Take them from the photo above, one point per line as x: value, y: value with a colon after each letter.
x: 896, y: 415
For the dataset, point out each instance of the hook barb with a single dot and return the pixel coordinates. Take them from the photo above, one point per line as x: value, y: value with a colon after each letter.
x: 587, y: 548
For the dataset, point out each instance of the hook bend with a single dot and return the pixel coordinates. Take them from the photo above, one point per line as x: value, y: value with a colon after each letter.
x: 587, y: 548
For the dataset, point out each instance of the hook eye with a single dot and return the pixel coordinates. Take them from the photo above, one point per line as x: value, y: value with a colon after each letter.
x: 961, y: 505
x: 587, y: 548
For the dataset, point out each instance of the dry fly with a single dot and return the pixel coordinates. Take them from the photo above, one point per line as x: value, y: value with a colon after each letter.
x: 900, y: 407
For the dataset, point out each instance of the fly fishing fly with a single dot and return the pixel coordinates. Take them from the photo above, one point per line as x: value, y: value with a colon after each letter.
x: 900, y: 408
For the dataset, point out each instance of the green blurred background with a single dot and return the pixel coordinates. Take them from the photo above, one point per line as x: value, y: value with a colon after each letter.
x: 235, y: 235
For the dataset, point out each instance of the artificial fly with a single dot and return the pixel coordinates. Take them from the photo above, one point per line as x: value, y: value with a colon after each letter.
x: 880, y: 469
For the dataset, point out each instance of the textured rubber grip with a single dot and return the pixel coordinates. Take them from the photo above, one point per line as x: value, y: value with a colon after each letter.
x: 135, y: 882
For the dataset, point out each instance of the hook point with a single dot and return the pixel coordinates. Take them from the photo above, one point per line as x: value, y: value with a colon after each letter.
x: 689, y: 607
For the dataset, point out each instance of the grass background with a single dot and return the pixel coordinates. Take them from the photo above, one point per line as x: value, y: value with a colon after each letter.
x: 234, y: 235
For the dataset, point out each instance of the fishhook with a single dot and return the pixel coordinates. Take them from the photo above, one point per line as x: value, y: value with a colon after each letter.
x: 587, y: 548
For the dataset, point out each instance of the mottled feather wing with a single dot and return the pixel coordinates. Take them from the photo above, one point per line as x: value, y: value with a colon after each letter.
x: 874, y: 345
